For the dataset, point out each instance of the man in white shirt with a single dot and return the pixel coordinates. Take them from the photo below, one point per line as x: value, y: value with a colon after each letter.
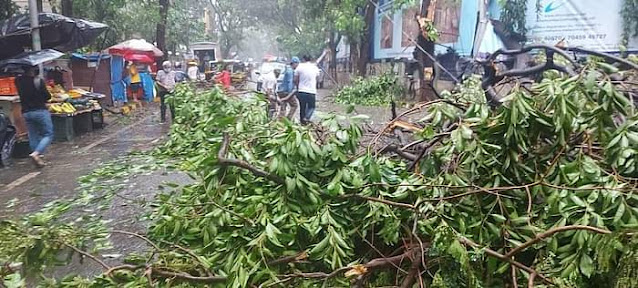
x: 270, y: 87
x: 306, y: 76
x: 166, y: 82
x: 192, y: 71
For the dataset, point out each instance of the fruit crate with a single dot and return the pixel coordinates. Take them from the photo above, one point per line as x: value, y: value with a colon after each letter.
x: 62, y: 128
x: 97, y: 117
x: 82, y: 123
x: 8, y: 86
x: 21, y: 149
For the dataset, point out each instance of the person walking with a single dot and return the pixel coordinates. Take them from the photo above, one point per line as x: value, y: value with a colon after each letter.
x: 136, y: 82
x: 287, y: 92
x: 166, y: 82
x: 33, y: 98
x: 270, y: 87
x: 180, y: 75
x: 306, y: 76
x: 223, y: 78
x: 192, y: 71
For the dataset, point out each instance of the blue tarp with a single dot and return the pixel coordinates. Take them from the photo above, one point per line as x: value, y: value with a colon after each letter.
x: 148, y: 85
x: 118, y: 90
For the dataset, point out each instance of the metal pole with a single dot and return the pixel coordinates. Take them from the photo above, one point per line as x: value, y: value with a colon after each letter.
x: 35, y: 29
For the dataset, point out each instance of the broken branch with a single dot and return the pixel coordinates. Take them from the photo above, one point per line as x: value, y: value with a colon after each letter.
x: 223, y: 161
x: 551, y: 232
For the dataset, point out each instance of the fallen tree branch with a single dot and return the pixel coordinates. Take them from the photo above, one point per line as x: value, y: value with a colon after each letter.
x: 398, y: 151
x: 371, y: 265
x: 550, y: 232
x: 502, y: 257
x: 427, y: 147
x: 414, y: 270
x: 603, y: 55
x: 154, y: 272
x: 139, y: 237
x: 530, y: 281
x: 289, y: 259
x: 379, y: 200
x: 223, y: 161
x: 88, y: 255
x: 188, y: 277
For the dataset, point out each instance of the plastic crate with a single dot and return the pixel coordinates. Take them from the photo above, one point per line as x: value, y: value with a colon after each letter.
x: 97, y: 117
x: 8, y: 86
x: 82, y: 123
x: 21, y: 149
x: 62, y: 128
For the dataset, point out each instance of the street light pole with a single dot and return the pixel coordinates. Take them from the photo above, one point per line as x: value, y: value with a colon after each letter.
x: 35, y: 28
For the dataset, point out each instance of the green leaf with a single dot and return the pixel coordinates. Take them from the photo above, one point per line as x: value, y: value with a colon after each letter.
x: 577, y: 200
x: 586, y: 265
x: 619, y: 213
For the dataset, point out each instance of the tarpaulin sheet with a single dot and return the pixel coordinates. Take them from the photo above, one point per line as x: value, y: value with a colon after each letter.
x: 118, y: 90
x: 56, y: 31
x: 32, y: 58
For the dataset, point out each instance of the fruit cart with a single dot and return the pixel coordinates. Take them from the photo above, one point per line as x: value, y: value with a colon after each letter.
x: 74, y: 112
x: 10, y: 106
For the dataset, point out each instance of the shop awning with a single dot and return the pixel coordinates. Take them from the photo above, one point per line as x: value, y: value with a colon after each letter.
x: 90, y: 57
x: 57, y: 32
x: 32, y: 58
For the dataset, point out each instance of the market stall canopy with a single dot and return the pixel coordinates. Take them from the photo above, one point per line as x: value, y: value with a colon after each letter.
x: 139, y: 58
x: 135, y: 46
x: 57, y: 32
x: 32, y: 58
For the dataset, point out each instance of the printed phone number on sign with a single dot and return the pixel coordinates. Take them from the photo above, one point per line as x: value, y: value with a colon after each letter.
x: 576, y: 37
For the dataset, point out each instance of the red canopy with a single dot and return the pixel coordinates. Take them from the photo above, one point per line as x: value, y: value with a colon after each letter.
x: 139, y: 58
x: 135, y: 46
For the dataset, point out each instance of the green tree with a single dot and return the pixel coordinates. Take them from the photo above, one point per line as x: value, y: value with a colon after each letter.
x: 7, y: 9
x: 231, y: 21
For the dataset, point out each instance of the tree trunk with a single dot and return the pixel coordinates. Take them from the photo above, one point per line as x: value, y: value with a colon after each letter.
x: 39, y: 5
x: 364, y: 43
x: 354, y: 59
x: 67, y: 8
x: 426, y: 92
x: 335, y: 38
x: 161, y: 30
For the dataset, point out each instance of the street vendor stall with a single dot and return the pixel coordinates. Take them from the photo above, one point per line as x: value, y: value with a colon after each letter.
x: 133, y: 56
x: 9, y: 99
x: 86, y: 75
x: 58, y: 34
x: 74, y: 112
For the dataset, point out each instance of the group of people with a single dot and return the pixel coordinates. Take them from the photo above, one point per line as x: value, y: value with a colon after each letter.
x: 298, y: 90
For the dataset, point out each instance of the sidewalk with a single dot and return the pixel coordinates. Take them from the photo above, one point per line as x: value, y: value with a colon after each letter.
x: 31, y: 187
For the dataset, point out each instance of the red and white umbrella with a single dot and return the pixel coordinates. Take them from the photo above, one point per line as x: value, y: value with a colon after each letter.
x: 146, y: 58
x: 135, y: 46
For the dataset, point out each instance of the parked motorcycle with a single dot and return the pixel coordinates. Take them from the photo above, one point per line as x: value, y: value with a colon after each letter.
x: 7, y: 140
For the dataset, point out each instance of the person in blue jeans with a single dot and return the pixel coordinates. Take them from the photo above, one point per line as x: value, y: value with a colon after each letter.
x: 33, y: 98
x: 306, y: 75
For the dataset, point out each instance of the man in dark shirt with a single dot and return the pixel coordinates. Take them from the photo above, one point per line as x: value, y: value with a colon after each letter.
x: 33, y: 98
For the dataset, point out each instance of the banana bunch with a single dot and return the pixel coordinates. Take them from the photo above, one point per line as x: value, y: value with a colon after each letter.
x: 62, y: 108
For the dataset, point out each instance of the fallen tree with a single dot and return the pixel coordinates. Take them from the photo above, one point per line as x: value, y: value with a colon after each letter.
x: 536, y: 189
